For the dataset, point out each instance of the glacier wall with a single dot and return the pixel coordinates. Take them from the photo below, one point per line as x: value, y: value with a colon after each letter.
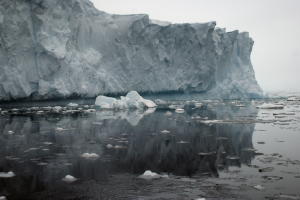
x: 58, y: 49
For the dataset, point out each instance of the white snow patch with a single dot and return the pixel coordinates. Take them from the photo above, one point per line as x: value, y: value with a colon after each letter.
x: 131, y: 100
x: 7, y: 174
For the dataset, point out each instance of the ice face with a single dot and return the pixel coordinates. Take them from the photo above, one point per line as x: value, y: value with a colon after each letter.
x: 55, y: 49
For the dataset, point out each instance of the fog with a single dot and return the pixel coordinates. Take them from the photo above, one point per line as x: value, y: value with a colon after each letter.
x: 273, y: 24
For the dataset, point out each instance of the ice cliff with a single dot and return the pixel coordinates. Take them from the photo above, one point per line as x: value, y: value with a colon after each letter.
x: 58, y: 49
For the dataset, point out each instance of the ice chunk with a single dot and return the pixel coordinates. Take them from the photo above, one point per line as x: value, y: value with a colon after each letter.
x: 90, y: 155
x: 73, y: 105
x: 57, y: 108
x: 293, y: 99
x: 131, y: 101
x: 152, y: 175
x: 109, y: 146
x: 3, y: 198
x: 7, y: 175
x: 179, y: 110
x: 69, y: 179
x: 258, y: 187
x: 165, y: 131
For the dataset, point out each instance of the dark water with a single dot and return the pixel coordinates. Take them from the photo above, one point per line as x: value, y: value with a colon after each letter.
x: 221, y: 159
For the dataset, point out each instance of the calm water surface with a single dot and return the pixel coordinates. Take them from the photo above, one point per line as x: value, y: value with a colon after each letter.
x: 214, y: 150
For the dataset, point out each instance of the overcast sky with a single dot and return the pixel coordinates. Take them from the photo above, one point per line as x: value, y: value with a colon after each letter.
x: 273, y: 24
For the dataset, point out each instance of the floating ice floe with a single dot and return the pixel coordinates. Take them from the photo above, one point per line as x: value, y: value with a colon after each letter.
x: 270, y: 106
x: 183, y: 142
x: 292, y: 197
x: 131, y: 101
x: 109, y: 146
x: 90, y: 155
x: 165, y: 131
x: 212, y: 121
x: 57, y: 108
x: 73, y: 105
x: 3, y: 198
x: 258, y: 187
x: 179, y: 110
x: 293, y: 99
x: 168, y: 113
x: 200, y: 199
x: 7, y: 174
x: 152, y: 175
x: 10, y: 132
x: 69, y: 179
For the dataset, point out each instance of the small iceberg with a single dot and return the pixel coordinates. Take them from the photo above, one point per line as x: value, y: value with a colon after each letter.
x: 131, y: 101
x: 69, y: 179
x: 7, y: 174
x: 149, y: 175
x: 90, y: 155
x: 3, y: 198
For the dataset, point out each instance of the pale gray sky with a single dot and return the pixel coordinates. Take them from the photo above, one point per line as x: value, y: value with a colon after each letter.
x: 273, y: 24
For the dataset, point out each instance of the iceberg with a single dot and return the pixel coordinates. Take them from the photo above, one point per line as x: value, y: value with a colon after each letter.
x: 131, y: 101
x: 61, y: 49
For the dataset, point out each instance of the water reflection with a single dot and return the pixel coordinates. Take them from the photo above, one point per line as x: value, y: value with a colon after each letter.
x: 42, y: 149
